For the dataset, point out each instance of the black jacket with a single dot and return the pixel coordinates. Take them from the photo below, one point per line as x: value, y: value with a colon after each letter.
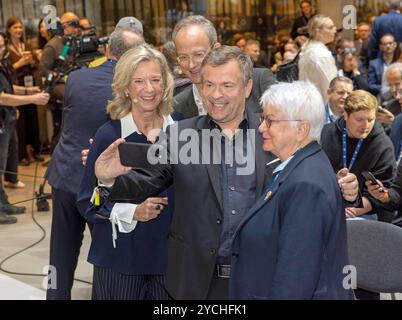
x: 376, y: 154
x: 198, y: 211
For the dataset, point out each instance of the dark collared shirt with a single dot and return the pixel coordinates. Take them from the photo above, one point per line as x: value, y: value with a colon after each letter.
x: 238, y: 191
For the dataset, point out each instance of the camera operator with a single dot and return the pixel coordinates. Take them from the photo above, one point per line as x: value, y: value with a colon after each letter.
x: 11, y: 96
x: 49, y: 63
x: 86, y: 96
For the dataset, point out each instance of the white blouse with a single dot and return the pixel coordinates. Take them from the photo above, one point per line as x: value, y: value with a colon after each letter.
x: 317, y: 65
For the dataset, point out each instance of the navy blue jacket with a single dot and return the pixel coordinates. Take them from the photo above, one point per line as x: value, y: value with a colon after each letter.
x: 390, y: 23
x: 292, y: 243
x: 374, y: 75
x: 86, y: 95
x: 140, y: 252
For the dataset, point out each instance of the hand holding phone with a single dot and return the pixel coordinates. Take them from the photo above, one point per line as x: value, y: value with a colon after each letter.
x: 369, y: 177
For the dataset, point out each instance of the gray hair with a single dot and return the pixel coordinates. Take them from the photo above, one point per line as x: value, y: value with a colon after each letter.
x: 199, y: 21
x: 298, y: 100
x: 395, y: 5
x: 396, y: 66
x: 336, y: 80
x: 224, y: 54
x: 122, y: 40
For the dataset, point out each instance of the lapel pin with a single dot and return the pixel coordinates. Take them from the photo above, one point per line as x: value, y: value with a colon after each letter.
x: 268, y: 195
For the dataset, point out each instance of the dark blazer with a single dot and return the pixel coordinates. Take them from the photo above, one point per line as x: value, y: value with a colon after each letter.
x: 140, y: 252
x: 82, y: 116
x: 262, y: 79
x: 374, y: 75
x: 390, y: 23
x: 197, y: 218
x: 292, y: 245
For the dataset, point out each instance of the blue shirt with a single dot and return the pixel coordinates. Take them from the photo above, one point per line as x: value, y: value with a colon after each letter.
x: 238, y: 191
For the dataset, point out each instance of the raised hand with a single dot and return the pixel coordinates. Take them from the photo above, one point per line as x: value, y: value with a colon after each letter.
x: 108, y: 166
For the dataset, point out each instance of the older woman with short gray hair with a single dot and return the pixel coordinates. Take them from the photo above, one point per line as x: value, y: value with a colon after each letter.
x: 293, y: 241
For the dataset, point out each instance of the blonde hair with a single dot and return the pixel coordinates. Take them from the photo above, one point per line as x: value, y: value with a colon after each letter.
x: 121, y: 105
x: 316, y: 22
x: 360, y: 100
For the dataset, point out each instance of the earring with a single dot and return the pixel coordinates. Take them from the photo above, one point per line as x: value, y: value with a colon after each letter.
x: 127, y: 95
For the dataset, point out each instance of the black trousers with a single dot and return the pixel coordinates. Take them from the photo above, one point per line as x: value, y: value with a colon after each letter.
x: 218, y: 289
x: 12, y: 159
x: 112, y: 285
x: 68, y: 228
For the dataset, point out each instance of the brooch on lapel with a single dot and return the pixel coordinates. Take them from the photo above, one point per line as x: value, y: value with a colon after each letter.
x: 268, y: 195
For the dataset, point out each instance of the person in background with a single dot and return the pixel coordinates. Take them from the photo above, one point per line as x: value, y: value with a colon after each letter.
x: 194, y: 37
x: 299, y: 27
x: 339, y: 89
x: 316, y: 63
x: 11, y: 96
x: 357, y: 142
x: 24, y: 65
x: 253, y: 49
x: 124, y: 23
x: 350, y: 68
x: 49, y: 62
x: 180, y: 80
x: 292, y: 243
x: 363, y: 34
x: 86, y: 26
x: 390, y: 23
x: 375, y: 75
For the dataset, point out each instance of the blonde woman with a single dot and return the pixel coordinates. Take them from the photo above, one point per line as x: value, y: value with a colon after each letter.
x: 129, y: 241
x: 316, y: 63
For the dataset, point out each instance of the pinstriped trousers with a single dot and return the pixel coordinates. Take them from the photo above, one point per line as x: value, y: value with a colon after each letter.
x: 111, y: 285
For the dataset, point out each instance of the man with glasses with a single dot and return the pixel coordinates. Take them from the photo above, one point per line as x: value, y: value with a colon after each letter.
x: 339, y: 89
x: 194, y: 37
x: 390, y: 23
x: 377, y: 67
x: 206, y: 216
x: 394, y: 78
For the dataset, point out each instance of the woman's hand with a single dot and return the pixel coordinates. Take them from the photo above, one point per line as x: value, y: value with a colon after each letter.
x: 150, y: 209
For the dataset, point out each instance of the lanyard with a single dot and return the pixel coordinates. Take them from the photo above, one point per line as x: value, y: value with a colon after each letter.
x: 344, y: 151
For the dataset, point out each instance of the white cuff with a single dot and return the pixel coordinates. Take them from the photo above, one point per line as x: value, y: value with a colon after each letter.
x: 100, y: 184
x: 122, y: 216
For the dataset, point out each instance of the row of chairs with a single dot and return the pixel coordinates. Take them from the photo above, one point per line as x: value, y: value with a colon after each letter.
x: 375, y: 249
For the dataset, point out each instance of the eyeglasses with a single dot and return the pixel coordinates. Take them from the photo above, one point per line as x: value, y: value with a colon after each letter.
x: 196, y: 57
x: 349, y: 50
x: 268, y: 121
x: 387, y: 43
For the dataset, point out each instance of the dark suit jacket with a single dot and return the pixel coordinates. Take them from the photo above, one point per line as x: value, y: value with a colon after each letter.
x: 292, y: 245
x: 374, y: 75
x: 197, y: 218
x: 86, y: 96
x: 262, y: 79
x: 390, y: 23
